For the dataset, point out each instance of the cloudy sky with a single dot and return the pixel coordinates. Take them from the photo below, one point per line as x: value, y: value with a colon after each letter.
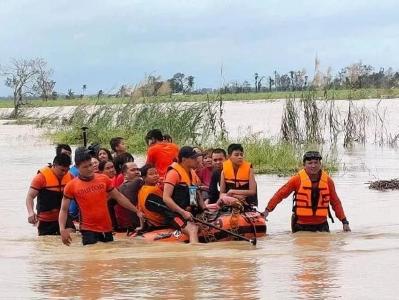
x: 106, y: 43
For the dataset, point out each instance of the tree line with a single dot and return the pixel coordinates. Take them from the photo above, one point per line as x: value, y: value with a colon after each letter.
x: 32, y: 78
x: 354, y: 76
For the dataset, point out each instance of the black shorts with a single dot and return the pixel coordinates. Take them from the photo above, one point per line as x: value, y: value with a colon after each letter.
x: 53, y: 227
x: 92, y: 237
x: 323, y: 227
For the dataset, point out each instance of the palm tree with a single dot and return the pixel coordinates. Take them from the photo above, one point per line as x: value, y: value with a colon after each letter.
x: 84, y: 88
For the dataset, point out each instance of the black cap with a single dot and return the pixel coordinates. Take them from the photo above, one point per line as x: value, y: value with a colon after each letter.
x: 188, y: 152
x: 310, y: 155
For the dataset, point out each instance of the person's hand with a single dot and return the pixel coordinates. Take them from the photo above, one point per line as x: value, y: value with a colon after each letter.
x: 141, y: 217
x: 32, y: 219
x: 230, y: 193
x: 66, y: 237
x: 346, y: 228
x: 187, y: 216
x: 265, y: 213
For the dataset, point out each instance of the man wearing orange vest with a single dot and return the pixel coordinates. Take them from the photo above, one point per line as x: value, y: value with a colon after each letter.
x: 180, y: 190
x: 237, y: 178
x: 48, y: 186
x: 314, y: 193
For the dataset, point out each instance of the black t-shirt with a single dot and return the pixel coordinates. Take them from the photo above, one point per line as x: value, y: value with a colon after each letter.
x: 214, y: 186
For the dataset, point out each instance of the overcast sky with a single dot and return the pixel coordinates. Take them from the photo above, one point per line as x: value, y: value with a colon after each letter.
x: 104, y: 44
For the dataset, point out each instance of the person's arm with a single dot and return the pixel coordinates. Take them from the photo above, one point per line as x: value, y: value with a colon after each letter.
x: 222, y: 183
x: 252, y: 187
x: 337, y: 206
x: 291, y: 186
x: 32, y: 194
x: 62, y: 219
x: 167, y: 198
x: 125, y: 202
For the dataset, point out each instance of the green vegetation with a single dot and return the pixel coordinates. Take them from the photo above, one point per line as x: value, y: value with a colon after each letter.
x: 279, y: 158
x: 194, y: 124
x: 354, y: 94
x: 199, y: 124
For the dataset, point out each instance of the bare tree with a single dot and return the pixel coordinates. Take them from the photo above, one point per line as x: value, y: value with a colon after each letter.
x: 20, y: 76
x: 43, y: 85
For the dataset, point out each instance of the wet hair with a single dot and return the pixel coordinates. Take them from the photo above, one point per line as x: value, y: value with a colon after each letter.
x: 234, y: 147
x: 82, y: 156
x: 168, y: 138
x: 155, y: 134
x: 219, y: 151
x: 144, y: 169
x: 61, y: 147
x: 114, y: 142
x: 101, y: 165
x: 311, y: 155
x: 106, y: 151
x: 121, y: 159
x: 62, y: 160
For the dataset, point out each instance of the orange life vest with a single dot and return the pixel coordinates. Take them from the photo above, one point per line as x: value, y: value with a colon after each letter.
x: 154, y: 218
x: 50, y: 196
x: 239, y: 180
x: 181, y: 193
x: 303, y: 197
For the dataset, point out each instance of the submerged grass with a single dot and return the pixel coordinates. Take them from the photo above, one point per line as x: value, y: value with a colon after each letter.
x: 187, y: 124
x: 198, y: 124
x: 280, y: 158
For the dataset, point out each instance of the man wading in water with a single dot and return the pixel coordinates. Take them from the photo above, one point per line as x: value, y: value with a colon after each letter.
x: 314, y: 192
x: 91, y: 193
x: 48, y: 186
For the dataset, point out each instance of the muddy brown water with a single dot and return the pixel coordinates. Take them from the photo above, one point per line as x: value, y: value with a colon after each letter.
x: 363, y: 264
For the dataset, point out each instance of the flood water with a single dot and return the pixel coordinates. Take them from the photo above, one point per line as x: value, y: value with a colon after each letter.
x: 363, y: 264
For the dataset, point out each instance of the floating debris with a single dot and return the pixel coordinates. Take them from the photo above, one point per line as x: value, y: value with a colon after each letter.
x: 381, y: 185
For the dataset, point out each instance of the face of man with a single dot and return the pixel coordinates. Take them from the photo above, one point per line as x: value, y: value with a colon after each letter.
x: 132, y: 171
x: 217, y: 160
x: 312, y: 167
x: 191, y: 163
x: 109, y: 169
x: 86, y: 169
x: 237, y: 157
x: 152, y: 177
x: 60, y: 171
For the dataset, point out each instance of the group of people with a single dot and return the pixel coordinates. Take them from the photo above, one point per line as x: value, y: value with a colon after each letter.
x: 106, y: 191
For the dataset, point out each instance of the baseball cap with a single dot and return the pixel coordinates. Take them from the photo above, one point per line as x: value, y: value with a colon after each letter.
x: 188, y: 152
